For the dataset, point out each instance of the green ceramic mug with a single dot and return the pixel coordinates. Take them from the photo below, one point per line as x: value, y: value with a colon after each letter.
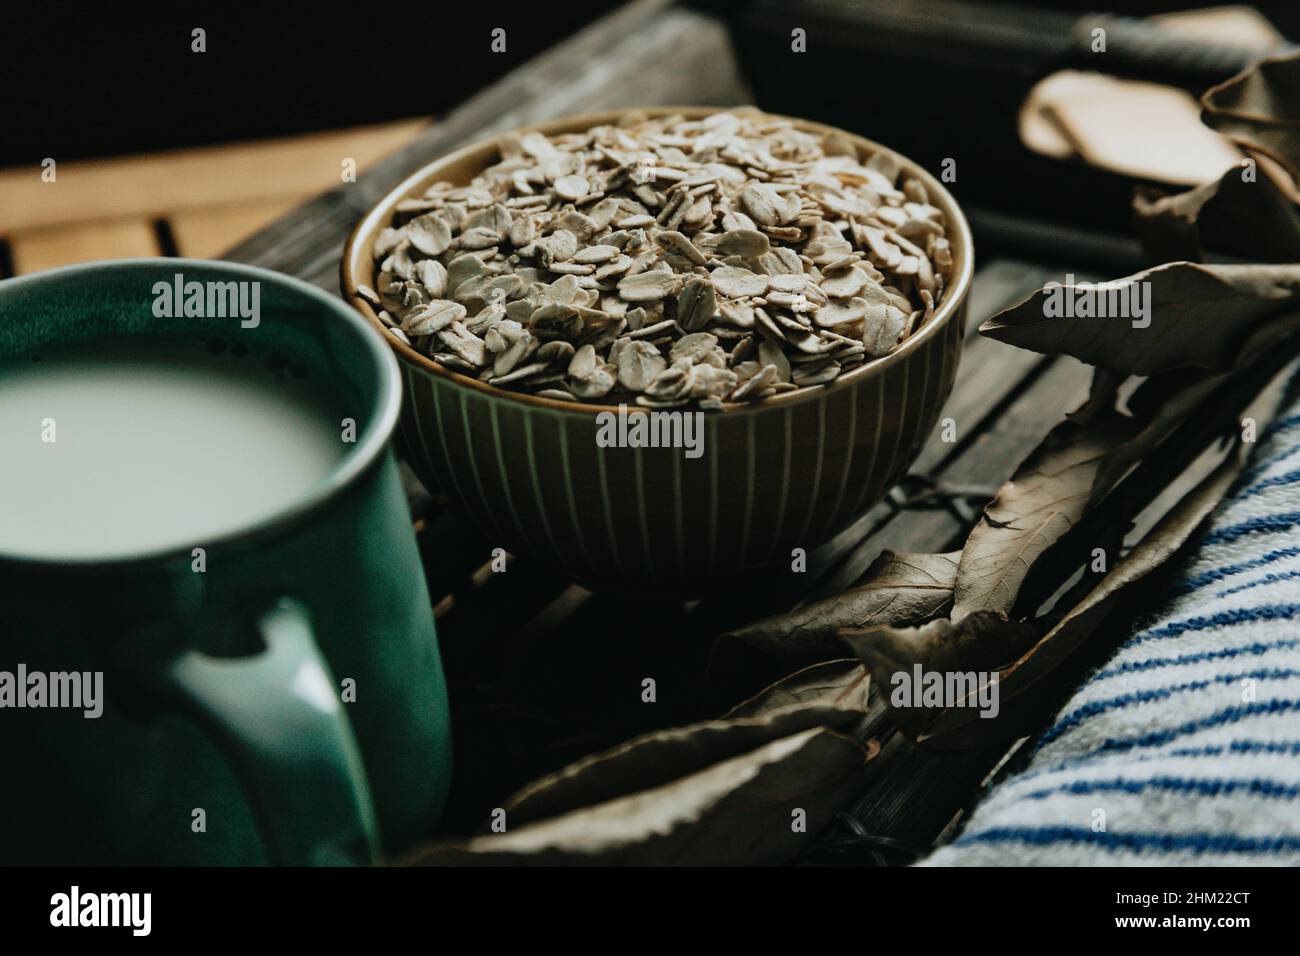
x: 280, y: 700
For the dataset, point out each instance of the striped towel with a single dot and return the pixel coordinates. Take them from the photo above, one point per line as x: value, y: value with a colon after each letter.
x: 1184, y: 748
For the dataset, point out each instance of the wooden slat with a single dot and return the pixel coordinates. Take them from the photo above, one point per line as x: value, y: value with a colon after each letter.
x: 210, y: 231
x: 63, y: 245
x: 162, y: 183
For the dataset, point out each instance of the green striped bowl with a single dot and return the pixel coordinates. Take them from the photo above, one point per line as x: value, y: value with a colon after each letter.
x: 785, y: 473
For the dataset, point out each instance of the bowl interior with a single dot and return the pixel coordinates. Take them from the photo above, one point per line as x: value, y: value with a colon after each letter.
x: 461, y: 166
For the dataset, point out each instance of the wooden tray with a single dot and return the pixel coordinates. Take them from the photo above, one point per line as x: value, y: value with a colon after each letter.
x: 542, y: 671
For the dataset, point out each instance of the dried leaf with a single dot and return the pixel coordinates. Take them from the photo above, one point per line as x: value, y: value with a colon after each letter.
x: 736, y: 812
x: 656, y: 798
x: 1251, y: 218
x: 831, y: 695
x: 840, y: 686
x: 1163, y: 402
x: 1102, y: 395
x: 1168, y: 399
x: 1044, y: 499
x: 1259, y: 109
x: 982, y: 643
x: 958, y: 728
x: 1198, y: 316
x: 899, y: 589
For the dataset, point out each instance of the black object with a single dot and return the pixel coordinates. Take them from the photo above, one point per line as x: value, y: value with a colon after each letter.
x: 945, y: 79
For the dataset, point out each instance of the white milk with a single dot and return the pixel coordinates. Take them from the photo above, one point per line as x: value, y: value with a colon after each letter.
x: 153, y: 446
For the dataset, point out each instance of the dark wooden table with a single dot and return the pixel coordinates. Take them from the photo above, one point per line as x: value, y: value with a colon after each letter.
x: 542, y: 671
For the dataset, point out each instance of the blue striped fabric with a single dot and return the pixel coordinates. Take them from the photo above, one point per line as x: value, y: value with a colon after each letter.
x: 1184, y: 748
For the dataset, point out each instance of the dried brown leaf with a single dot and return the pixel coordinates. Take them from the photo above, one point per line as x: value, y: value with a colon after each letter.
x: 1259, y: 109
x: 983, y: 642
x: 1245, y: 213
x: 831, y: 695
x: 899, y: 589
x: 736, y: 812
x: 958, y: 728
x: 839, y: 686
x: 1199, y: 316
x: 1102, y: 395
x: 1163, y: 402
x: 1044, y: 499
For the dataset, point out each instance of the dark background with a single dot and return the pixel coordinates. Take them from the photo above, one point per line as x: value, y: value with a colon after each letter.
x: 94, y: 80
x: 933, y: 78
x: 104, y: 79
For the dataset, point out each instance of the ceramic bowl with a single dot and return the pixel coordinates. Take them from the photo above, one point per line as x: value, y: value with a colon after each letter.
x: 783, y: 473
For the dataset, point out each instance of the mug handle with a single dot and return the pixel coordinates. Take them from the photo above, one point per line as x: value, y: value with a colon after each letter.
x: 279, y: 715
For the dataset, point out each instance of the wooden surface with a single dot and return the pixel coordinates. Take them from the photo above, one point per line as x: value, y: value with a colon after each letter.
x: 81, y: 242
x: 191, y: 202
x: 542, y: 671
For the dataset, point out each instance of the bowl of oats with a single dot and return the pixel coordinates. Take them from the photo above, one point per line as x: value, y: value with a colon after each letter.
x: 664, y: 347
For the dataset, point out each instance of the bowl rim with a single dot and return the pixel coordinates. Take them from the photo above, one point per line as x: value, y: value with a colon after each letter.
x: 366, y: 229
